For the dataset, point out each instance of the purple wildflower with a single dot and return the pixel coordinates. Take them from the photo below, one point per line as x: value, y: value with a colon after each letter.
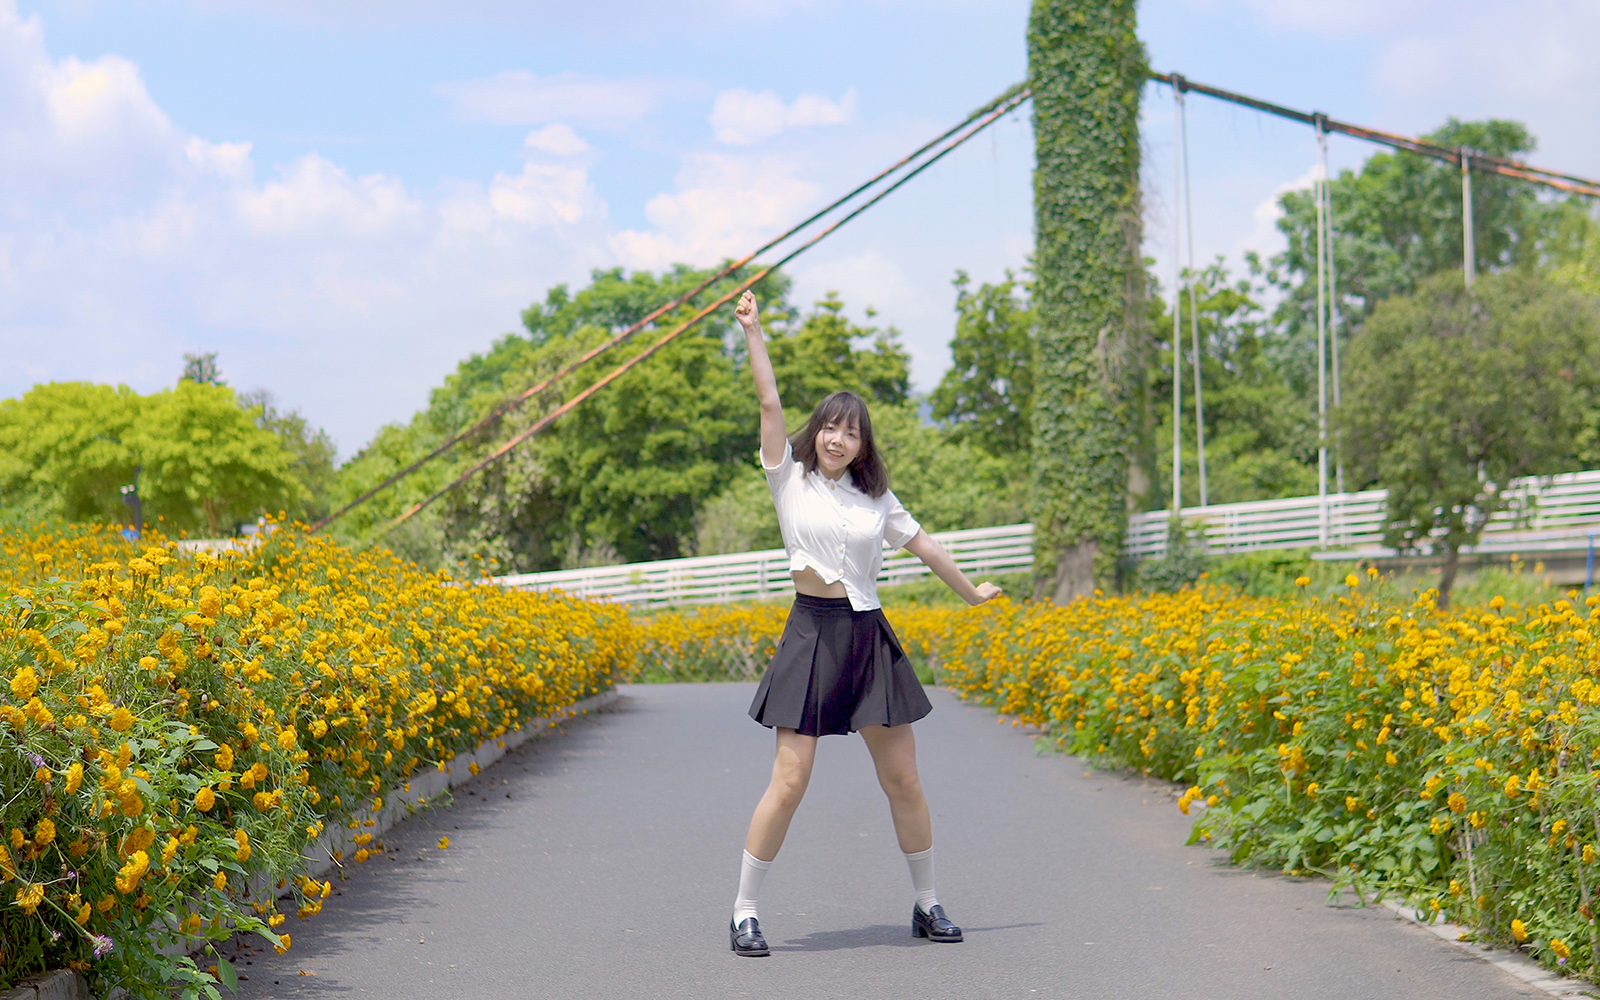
x: 102, y: 945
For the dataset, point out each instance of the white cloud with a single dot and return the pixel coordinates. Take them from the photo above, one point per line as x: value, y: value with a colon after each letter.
x: 518, y: 97
x: 556, y: 139
x: 225, y: 159
x: 317, y: 197
x: 725, y: 206
x: 743, y: 117
x: 128, y: 241
x: 543, y: 195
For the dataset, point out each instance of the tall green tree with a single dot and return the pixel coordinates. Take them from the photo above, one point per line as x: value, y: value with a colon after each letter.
x: 987, y: 394
x: 826, y: 353
x: 66, y: 449
x: 1087, y: 67
x: 1396, y: 222
x: 1453, y: 394
x: 311, y: 448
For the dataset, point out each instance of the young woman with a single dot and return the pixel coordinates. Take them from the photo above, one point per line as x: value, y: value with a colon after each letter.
x: 839, y: 668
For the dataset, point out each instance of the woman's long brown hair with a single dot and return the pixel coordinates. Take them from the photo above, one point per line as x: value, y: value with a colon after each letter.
x: 867, y: 470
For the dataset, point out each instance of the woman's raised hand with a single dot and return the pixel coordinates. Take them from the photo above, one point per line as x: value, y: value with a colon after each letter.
x: 747, y: 313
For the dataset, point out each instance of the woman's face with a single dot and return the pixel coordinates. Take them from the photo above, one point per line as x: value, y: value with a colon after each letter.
x: 838, y: 444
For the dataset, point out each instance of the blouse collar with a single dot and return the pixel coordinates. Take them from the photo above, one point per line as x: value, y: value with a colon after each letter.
x: 845, y: 481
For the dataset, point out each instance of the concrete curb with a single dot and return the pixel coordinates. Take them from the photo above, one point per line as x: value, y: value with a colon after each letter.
x: 398, y: 803
x: 1518, y: 965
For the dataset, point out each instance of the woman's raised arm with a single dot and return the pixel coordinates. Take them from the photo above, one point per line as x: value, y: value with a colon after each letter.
x: 772, y: 433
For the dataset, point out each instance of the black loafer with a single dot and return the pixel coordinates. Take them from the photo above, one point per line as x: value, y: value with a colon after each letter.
x: 934, y: 925
x: 745, y: 938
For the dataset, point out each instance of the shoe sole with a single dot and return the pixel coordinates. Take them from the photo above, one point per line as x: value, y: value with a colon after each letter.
x: 763, y: 953
x: 918, y: 932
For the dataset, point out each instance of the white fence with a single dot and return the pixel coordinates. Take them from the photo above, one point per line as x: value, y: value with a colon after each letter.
x: 746, y: 575
x: 1557, y: 514
x: 1560, y: 514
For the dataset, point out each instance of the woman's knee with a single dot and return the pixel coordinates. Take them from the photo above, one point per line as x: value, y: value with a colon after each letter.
x: 790, y: 776
x: 901, y: 783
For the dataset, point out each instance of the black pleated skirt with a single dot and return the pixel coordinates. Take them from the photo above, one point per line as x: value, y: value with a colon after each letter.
x: 836, y: 670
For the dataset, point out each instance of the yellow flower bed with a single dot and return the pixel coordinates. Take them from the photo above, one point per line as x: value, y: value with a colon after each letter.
x: 175, y: 732
x: 1450, y: 757
x: 712, y: 642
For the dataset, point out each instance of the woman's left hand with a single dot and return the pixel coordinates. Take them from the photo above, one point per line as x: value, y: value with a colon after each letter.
x: 986, y: 592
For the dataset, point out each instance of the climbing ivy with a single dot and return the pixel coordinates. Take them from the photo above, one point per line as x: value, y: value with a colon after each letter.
x: 1086, y: 67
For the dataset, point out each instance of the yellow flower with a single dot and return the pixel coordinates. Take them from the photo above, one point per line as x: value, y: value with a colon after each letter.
x: 444, y: 843
x: 29, y: 897
x: 204, y: 799
x: 283, y: 944
x: 224, y: 757
x: 44, y: 832
x: 210, y: 602
x: 121, y: 719
x: 1352, y: 581
x: 83, y: 914
x: 25, y: 683
x: 74, y: 778
x: 130, y: 874
x: 1519, y: 931
x: 362, y: 855
x: 219, y: 881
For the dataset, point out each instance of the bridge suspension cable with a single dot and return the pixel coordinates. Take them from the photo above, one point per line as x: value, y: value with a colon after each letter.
x: 998, y: 109
x: 1011, y: 98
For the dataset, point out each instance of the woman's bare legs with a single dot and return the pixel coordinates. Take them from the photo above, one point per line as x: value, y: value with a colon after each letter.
x: 791, y: 773
x: 894, y: 753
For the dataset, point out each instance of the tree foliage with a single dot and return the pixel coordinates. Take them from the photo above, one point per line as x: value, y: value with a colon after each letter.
x: 987, y: 395
x: 66, y: 449
x: 1396, y: 222
x: 1087, y: 67
x: 1260, y: 438
x: 1453, y: 394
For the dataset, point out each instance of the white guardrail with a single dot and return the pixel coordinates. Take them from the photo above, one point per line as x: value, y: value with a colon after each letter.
x: 745, y: 575
x: 1564, y: 511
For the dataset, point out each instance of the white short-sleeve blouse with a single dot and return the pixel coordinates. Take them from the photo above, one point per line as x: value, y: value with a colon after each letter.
x: 836, y: 529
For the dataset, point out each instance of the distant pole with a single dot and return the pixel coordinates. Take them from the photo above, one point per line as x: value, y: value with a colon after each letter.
x: 130, y: 496
x: 1322, y: 357
x: 1333, y: 303
x: 1588, y: 573
x: 1194, y: 308
x: 1177, y: 299
x: 1469, y: 255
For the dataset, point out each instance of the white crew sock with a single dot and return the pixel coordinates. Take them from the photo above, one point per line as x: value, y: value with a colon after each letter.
x: 921, y: 865
x: 751, y: 872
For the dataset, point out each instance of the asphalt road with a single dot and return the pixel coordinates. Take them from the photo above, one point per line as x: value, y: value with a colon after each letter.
x: 602, y: 862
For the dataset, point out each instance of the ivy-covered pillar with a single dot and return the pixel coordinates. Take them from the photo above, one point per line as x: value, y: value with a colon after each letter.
x: 1087, y: 67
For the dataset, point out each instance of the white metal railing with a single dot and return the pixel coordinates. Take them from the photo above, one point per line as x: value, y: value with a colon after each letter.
x: 746, y: 575
x: 1560, y: 512
x: 1564, y: 511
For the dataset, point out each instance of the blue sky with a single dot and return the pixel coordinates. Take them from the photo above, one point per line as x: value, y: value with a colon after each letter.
x: 344, y: 199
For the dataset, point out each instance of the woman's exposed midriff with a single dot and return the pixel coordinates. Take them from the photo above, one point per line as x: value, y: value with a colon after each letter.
x: 807, y: 582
